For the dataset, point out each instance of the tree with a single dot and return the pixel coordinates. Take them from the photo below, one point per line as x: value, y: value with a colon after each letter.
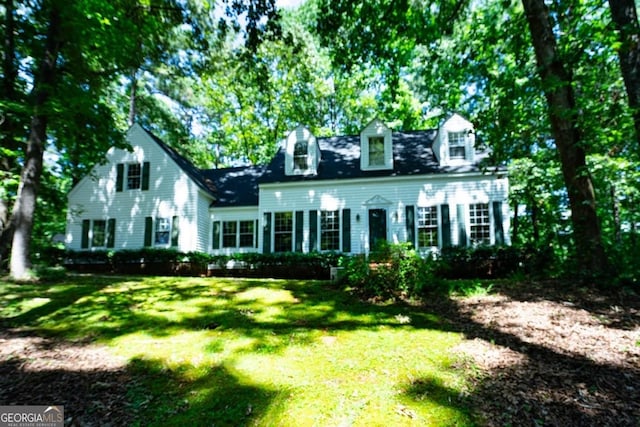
x: 558, y: 87
x: 625, y: 18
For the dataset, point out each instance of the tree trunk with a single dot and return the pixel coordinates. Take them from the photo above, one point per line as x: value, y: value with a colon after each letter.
x: 8, y: 164
x: 557, y: 84
x: 132, y: 98
x: 25, y: 204
x: 625, y: 19
x: 615, y: 207
x: 516, y: 223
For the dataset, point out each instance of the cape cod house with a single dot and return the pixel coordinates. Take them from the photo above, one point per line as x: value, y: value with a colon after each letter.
x: 343, y: 193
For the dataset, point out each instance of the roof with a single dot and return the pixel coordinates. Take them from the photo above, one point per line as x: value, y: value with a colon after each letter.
x: 340, y: 159
x: 236, y: 186
x: 189, y: 168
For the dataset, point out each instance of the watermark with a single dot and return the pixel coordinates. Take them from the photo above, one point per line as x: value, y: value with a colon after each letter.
x: 31, y: 416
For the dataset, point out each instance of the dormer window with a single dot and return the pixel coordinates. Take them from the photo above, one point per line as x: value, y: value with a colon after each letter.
x: 376, y: 151
x: 454, y: 145
x: 457, y: 145
x: 300, y: 156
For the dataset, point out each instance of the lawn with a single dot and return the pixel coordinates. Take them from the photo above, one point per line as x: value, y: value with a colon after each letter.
x: 212, y: 351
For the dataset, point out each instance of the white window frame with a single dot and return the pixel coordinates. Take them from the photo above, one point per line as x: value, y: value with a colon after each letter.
x: 92, y: 240
x: 278, y: 233
x: 331, y: 228
x: 130, y: 179
x: 479, y: 225
x: 425, y: 217
x: 458, y: 141
x: 161, y: 227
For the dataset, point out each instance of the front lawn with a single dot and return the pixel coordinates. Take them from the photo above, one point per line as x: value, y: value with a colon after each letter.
x: 211, y: 351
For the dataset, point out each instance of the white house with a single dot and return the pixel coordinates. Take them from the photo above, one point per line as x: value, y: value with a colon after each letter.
x: 343, y: 193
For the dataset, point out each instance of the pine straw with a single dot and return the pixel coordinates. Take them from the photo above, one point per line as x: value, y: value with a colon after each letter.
x: 556, y: 358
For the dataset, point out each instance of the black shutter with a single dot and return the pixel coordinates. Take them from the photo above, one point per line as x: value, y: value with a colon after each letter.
x: 446, y: 225
x: 148, y: 230
x: 119, y: 176
x: 215, y: 240
x: 299, y: 231
x: 346, y: 230
x: 266, y: 234
x: 175, y: 230
x: 497, y: 223
x: 411, y: 225
x: 462, y: 226
x: 145, y: 176
x: 313, y: 231
x: 255, y: 234
x: 84, y: 241
x: 111, y: 232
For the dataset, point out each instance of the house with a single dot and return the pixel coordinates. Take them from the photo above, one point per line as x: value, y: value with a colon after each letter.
x: 342, y: 193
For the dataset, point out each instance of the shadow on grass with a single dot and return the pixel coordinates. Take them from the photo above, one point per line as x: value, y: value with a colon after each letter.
x: 549, y: 387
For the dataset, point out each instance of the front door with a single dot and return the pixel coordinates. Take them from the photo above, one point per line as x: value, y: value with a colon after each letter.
x: 377, y: 227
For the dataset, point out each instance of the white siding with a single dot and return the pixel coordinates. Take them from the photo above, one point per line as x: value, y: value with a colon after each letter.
x: 171, y: 193
x: 392, y: 194
x: 245, y: 213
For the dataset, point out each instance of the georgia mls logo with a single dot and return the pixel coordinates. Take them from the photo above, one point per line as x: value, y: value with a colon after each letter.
x: 31, y: 416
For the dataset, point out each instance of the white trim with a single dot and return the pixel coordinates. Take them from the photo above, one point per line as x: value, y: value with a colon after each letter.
x: 375, y: 129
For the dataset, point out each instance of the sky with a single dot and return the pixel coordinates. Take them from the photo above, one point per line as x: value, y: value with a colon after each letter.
x: 286, y: 4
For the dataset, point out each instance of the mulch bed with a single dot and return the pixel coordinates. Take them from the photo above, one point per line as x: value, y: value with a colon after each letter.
x: 541, y: 355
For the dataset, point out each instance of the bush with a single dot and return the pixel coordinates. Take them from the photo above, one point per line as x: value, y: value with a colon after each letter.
x: 389, y: 271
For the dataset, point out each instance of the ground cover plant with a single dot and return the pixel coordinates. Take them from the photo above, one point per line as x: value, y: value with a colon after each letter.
x: 210, y: 351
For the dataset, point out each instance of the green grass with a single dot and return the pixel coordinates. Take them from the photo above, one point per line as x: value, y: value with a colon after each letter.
x: 255, y: 352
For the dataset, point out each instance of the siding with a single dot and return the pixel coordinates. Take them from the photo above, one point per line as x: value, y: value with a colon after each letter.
x: 171, y: 193
x: 393, y: 194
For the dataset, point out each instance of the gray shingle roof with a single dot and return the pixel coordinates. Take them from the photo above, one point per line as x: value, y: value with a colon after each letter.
x: 340, y: 159
x: 236, y: 186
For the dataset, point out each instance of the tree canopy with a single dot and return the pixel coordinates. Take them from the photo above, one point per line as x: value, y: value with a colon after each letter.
x: 223, y: 83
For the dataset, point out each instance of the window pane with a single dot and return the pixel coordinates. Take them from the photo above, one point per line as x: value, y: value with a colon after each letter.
x: 457, y: 145
x: 376, y: 151
x: 283, y: 231
x: 163, y: 227
x: 99, y: 228
x: 229, y: 234
x: 427, y: 226
x: 246, y: 234
x: 329, y: 230
x: 300, y: 153
x: 134, y: 173
x: 480, y: 223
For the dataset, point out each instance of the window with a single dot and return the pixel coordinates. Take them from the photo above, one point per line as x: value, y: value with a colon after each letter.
x: 246, y: 234
x: 300, y: 154
x: 427, y: 227
x: 457, y: 145
x: 283, y: 231
x: 134, y: 176
x: 376, y: 151
x: 229, y: 231
x: 163, y: 228
x: 99, y: 233
x: 329, y: 230
x: 480, y: 223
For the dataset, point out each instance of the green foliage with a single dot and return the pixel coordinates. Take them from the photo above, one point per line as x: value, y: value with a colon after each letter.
x: 391, y: 270
x: 396, y: 270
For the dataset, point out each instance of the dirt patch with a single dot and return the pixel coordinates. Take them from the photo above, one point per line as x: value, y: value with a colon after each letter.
x: 565, y: 359
x: 87, y: 379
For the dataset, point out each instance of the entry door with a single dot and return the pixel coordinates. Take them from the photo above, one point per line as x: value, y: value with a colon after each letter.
x: 377, y: 227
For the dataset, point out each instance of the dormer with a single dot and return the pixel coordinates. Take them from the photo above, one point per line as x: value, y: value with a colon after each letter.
x: 455, y: 143
x: 376, y: 151
x: 302, y: 154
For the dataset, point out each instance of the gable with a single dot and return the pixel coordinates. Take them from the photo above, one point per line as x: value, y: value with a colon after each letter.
x: 455, y: 144
x: 376, y: 149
